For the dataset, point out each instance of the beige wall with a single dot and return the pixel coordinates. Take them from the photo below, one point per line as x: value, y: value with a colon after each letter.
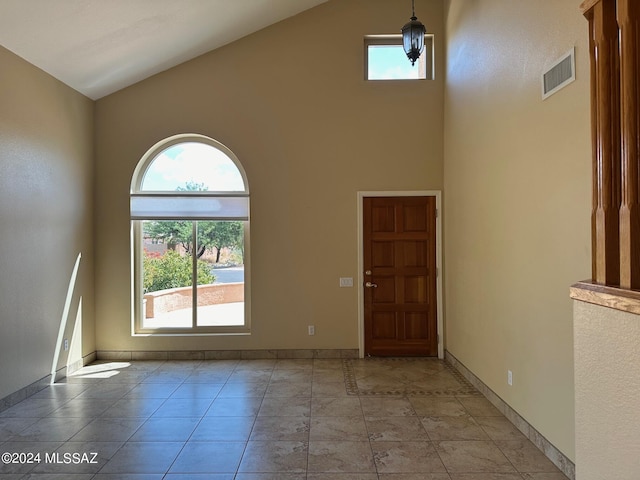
x: 517, y: 202
x: 607, y: 375
x: 290, y: 101
x: 46, y: 203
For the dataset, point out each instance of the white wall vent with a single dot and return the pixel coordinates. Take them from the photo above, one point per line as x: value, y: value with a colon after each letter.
x: 561, y: 74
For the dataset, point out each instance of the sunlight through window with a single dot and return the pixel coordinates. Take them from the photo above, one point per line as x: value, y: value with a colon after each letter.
x: 190, y: 214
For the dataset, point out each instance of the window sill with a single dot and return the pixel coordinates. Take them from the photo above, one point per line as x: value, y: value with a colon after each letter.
x: 175, y: 333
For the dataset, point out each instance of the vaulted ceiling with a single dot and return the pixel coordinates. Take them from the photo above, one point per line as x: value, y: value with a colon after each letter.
x: 100, y: 46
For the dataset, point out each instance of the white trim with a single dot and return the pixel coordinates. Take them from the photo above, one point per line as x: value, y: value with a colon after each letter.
x: 440, y: 304
x: 212, y: 205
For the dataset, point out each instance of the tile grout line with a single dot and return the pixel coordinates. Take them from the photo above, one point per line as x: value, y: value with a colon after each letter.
x: 124, y: 442
x: 313, y: 369
x: 556, y: 457
x: 182, y: 378
x: 255, y: 419
x: 366, y: 426
x: 192, y: 432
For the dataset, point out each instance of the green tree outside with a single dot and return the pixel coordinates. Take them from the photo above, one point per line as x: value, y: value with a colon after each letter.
x: 172, y: 270
x: 212, y: 234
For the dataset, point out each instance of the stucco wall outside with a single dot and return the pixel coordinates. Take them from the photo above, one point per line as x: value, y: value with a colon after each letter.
x: 169, y: 300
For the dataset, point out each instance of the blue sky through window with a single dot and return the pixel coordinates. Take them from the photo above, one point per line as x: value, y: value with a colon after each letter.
x: 192, y: 162
x: 389, y: 62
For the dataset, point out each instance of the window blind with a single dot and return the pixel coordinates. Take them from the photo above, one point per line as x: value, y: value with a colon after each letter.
x: 146, y: 206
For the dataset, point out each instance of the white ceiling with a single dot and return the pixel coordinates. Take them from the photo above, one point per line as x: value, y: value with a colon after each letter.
x: 100, y: 46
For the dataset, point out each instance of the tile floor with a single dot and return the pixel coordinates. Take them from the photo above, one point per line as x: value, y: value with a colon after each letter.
x: 386, y: 419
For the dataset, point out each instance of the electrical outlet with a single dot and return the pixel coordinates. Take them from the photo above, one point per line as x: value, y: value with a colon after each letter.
x: 312, y: 330
x: 66, y: 344
x: 509, y: 377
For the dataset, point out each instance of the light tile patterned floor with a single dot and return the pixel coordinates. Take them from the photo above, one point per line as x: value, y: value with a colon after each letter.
x: 371, y: 419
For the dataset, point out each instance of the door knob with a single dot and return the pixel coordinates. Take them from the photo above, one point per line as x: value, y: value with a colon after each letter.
x: 371, y: 285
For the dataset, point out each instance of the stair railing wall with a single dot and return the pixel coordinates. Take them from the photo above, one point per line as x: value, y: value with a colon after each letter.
x: 614, y: 42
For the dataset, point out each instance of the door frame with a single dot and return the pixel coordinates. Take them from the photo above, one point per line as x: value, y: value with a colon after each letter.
x: 439, y: 302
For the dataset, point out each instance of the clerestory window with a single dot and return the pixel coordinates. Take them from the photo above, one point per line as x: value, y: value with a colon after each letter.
x: 385, y: 59
x: 190, y: 234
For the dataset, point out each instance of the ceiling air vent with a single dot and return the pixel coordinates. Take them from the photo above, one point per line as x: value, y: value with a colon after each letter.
x: 561, y: 74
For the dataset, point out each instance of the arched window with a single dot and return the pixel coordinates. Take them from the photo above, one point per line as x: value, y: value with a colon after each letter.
x: 190, y: 236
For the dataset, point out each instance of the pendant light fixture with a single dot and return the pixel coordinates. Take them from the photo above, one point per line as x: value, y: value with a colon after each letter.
x: 413, y: 36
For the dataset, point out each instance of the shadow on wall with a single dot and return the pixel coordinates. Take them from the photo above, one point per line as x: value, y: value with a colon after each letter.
x: 73, y: 349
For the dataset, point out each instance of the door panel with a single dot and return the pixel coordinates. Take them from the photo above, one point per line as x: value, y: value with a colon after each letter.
x: 415, y: 254
x: 415, y: 289
x: 383, y: 218
x: 400, y: 276
x: 384, y: 325
x: 416, y: 326
x: 385, y: 292
x: 415, y: 218
x: 382, y: 254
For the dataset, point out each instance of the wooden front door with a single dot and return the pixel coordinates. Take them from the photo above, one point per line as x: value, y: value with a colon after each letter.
x: 399, y: 235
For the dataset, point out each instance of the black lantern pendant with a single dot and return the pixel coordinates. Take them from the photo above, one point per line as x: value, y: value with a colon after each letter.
x: 413, y: 36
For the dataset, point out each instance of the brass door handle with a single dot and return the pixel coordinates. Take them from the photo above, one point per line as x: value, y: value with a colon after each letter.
x: 371, y: 285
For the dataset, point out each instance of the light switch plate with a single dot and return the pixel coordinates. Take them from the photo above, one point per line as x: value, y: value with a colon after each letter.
x: 346, y: 281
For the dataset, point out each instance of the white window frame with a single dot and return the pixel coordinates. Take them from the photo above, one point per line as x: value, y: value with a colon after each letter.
x: 232, y: 201
x: 428, y: 56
